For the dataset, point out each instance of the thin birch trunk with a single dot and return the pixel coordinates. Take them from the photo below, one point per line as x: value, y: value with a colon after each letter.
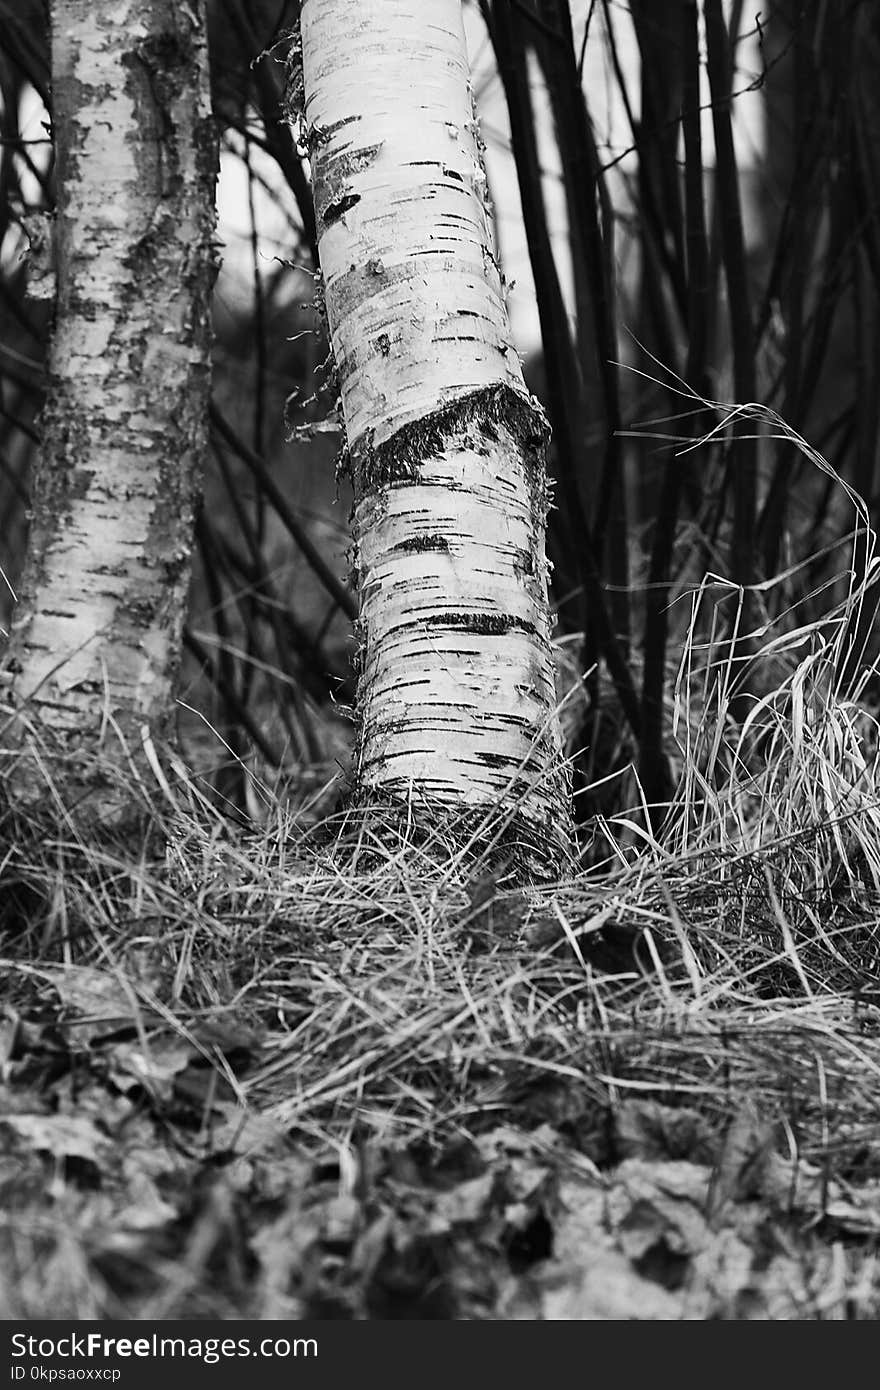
x: 445, y: 445
x: 97, y: 634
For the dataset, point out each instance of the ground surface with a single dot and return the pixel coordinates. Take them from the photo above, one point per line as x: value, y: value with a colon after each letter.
x: 250, y: 1075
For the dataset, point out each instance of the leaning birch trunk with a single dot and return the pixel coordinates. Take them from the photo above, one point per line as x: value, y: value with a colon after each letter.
x: 456, y: 694
x: 96, y: 639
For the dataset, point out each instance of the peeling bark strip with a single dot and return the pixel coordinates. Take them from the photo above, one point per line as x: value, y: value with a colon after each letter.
x: 446, y: 446
x: 103, y: 596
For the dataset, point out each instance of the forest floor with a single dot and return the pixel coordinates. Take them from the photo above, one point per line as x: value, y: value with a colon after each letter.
x: 276, y: 1074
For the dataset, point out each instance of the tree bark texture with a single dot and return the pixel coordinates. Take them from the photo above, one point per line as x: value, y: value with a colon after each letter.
x: 446, y: 446
x: 97, y: 634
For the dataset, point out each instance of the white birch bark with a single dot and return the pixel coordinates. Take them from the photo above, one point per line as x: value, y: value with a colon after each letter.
x: 446, y: 446
x: 97, y: 633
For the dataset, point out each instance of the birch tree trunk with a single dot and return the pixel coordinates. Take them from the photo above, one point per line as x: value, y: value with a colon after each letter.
x: 97, y: 633
x: 445, y: 444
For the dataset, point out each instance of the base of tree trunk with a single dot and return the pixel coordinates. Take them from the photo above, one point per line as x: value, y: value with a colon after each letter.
x: 490, y: 839
x: 110, y: 790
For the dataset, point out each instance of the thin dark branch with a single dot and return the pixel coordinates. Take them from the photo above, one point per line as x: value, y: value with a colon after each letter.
x: 334, y: 586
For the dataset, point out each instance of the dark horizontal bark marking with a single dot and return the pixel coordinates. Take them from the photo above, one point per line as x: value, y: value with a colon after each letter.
x: 495, y: 759
x: 483, y: 624
x: 334, y: 211
x: 434, y: 542
x: 397, y: 460
x: 504, y: 760
x: 317, y: 136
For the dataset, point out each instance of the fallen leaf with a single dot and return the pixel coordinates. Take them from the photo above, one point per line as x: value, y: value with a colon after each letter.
x: 601, y: 1287
x: 146, y: 1210
x: 66, y: 1136
x: 9, y: 1030
x: 647, y: 1129
x: 94, y: 1001
x: 463, y: 1205
x: 742, y: 1163
x: 155, y: 1068
x: 720, y: 1278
